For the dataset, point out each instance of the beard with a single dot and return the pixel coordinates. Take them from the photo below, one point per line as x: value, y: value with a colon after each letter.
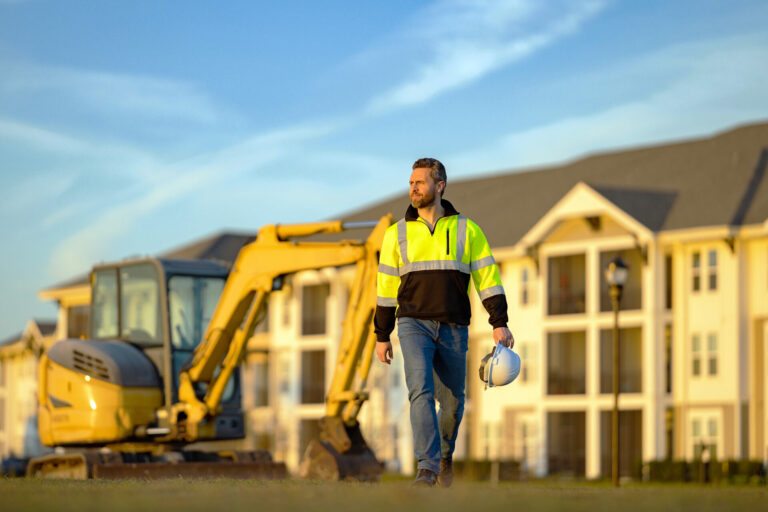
x: 421, y: 201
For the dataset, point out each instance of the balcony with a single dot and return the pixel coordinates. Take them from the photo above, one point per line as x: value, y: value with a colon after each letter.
x: 566, y: 278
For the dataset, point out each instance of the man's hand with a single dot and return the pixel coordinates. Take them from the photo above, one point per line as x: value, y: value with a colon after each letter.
x: 384, y: 351
x: 500, y: 335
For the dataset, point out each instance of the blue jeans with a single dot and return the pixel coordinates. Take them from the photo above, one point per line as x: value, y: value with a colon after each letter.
x: 434, y: 356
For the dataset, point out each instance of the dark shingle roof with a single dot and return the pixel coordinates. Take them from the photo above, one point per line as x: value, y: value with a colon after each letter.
x: 715, y: 181
x: 47, y: 327
x: 647, y: 206
x: 221, y: 247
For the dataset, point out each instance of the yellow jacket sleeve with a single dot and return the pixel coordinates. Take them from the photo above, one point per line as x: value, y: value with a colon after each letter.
x: 486, y: 277
x: 387, y: 285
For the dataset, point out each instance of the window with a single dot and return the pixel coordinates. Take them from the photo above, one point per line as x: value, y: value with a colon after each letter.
x: 696, y: 271
x: 523, y: 366
x: 527, y: 363
x: 704, y: 436
x: 566, y: 442
x: 630, y: 360
x: 708, y: 356
x: 713, y: 269
x: 263, y: 325
x: 668, y: 277
x: 630, y: 441
x: 632, y: 293
x: 524, y: 287
x: 192, y: 301
x: 140, y: 305
x: 313, y: 305
x: 78, y: 318
x: 313, y: 376
x: 566, y: 363
x: 696, y: 355
x: 567, y: 284
x: 105, y: 317
x: 669, y: 429
x: 260, y: 373
x: 712, y: 354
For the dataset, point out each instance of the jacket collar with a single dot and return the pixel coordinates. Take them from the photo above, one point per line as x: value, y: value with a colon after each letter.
x: 413, y: 214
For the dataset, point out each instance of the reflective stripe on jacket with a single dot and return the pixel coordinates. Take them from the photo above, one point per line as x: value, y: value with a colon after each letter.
x: 425, y: 273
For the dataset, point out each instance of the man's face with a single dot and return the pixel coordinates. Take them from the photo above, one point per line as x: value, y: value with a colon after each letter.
x: 424, y: 191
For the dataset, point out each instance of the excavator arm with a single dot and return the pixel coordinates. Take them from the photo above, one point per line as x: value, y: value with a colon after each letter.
x: 341, y: 453
x: 241, y: 307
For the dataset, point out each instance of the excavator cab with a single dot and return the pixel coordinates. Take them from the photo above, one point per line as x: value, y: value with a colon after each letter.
x: 163, y: 307
x: 147, y: 317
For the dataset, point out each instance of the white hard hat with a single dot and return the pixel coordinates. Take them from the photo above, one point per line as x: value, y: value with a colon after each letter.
x: 500, y: 367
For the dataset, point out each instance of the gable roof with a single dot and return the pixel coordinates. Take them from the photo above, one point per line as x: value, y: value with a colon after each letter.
x: 713, y: 181
x: 45, y: 326
x: 650, y: 207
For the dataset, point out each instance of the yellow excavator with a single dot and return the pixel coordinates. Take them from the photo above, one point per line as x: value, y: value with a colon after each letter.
x: 159, y: 370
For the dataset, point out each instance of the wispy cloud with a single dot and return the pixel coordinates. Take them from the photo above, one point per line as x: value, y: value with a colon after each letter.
x: 713, y: 84
x: 38, y: 137
x: 90, y: 152
x: 34, y: 192
x: 113, y: 93
x: 464, y: 41
x: 179, y: 180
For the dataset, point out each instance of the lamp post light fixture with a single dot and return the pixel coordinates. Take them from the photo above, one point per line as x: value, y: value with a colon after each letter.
x: 616, y: 275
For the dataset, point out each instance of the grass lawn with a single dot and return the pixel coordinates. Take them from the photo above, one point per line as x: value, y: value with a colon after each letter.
x: 391, y: 496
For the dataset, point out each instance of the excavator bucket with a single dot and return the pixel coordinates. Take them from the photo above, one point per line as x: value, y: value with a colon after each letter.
x: 341, y: 453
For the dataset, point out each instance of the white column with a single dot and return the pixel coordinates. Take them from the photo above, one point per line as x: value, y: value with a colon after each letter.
x: 593, y: 442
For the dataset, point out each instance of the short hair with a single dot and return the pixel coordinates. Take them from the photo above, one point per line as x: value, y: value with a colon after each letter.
x: 436, y: 168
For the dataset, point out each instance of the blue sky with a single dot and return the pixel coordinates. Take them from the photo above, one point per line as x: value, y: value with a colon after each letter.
x: 127, y: 128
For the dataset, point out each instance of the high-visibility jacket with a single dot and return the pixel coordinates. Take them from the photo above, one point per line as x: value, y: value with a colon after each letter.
x: 425, y: 273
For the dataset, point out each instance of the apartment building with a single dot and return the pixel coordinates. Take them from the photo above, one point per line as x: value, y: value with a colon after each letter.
x: 691, y: 221
x: 18, y: 388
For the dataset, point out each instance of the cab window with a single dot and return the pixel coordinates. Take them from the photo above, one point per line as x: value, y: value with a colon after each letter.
x: 140, y: 305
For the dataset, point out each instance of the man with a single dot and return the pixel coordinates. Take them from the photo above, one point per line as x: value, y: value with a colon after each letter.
x: 426, y: 262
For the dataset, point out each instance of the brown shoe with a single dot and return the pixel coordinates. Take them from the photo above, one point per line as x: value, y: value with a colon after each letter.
x: 445, y: 479
x: 424, y: 478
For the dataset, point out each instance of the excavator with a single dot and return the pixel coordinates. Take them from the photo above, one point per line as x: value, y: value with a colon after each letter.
x: 159, y: 372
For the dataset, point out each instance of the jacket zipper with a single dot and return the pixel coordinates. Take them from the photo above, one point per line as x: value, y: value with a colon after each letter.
x: 447, y: 243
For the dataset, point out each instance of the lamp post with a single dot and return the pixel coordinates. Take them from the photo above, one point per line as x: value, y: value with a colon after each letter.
x: 616, y: 275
